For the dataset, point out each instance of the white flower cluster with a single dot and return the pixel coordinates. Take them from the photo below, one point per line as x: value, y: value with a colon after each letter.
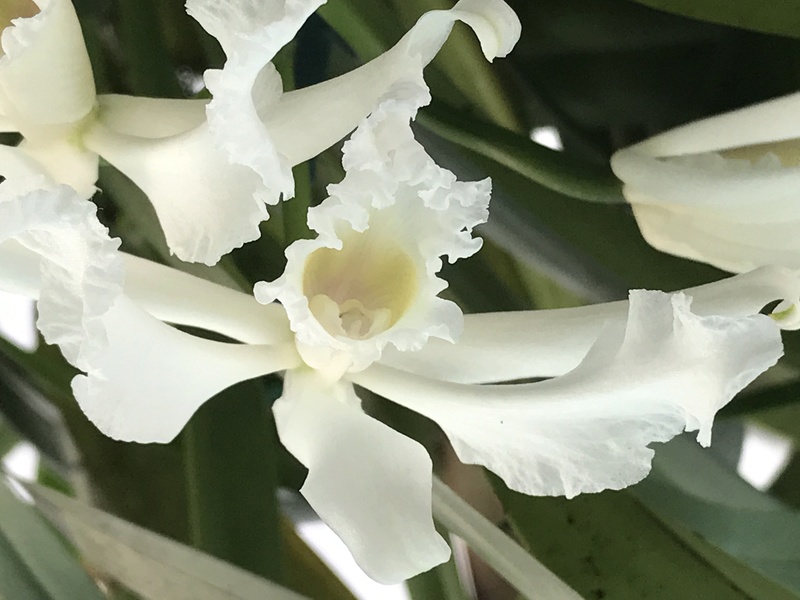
x: 358, y: 304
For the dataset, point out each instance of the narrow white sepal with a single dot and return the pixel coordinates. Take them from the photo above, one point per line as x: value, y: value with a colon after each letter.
x: 506, y: 346
x: 369, y: 483
x: 147, y: 379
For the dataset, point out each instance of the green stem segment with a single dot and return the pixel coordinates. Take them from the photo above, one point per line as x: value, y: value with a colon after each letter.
x: 552, y: 169
x: 530, y: 577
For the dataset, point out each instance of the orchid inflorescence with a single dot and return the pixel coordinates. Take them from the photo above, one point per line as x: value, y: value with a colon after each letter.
x: 555, y: 402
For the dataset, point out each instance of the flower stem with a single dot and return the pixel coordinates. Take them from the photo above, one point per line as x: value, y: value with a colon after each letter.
x: 532, y: 579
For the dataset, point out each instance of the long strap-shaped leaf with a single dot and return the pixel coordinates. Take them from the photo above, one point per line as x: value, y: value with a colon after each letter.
x: 150, y: 565
x: 34, y: 563
x: 533, y: 580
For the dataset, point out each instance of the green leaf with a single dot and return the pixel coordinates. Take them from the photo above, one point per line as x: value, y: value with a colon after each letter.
x: 608, y: 545
x: 150, y: 71
x: 552, y: 169
x: 230, y: 449
x: 142, y: 482
x: 688, y: 486
x: 34, y: 562
x: 362, y: 24
x: 784, y: 419
x: 780, y: 17
x: 150, y: 565
x: 8, y: 437
x: 604, y: 237
x: 305, y: 571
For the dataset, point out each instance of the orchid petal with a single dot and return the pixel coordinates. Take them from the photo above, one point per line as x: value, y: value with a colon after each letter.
x: 333, y: 108
x: 65, y: 162
x: 720, y: 190
x: 710, y: 213
x: 547, y: 343
x: 19, y: 269
x: 382, y: 234
x: 45, y: 75
x: 77, y: 272
x: 251, y: 33
x: 146, y: 379
x: 665, y: 371
x: 734, y: 247
x: 205, y: 205
x: 370, y: 484
x: 711, y: 186
x: 259, y: 127
x: 177, y: 297
x: 7, y: 125
x: 770, y: 121
x: 150, y: 117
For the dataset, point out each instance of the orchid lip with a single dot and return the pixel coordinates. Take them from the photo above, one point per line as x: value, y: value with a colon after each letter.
x: 360, y: 290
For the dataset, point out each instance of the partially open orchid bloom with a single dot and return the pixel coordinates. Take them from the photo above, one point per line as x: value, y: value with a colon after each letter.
x: 359, y: 306
x: 209, y: 168
x: 722, y: 190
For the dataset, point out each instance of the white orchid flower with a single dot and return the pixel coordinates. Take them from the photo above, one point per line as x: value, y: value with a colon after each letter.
x: 722, y: 190
x: 359, y: 306
x: 208, y: 167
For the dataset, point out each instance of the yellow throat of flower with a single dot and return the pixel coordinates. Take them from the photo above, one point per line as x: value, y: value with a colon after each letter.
x: 362, y: 289
x: 787, y: 152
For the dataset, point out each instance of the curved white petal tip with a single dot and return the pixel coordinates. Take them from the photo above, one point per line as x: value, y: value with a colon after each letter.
x: 500, y: 30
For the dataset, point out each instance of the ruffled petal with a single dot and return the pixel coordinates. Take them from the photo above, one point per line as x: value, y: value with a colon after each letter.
x: 45, y: 75
x: 177, y: 297
x: 79, y: 270
x: 546, y: 343
x: 251, y: 33
x: 382, y: 234
x: 370, y: 484
x: 204, y: 204
x: 269, y: 131
x: 145, y: 379
x: 665, y: 371
x: 333, y: 108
